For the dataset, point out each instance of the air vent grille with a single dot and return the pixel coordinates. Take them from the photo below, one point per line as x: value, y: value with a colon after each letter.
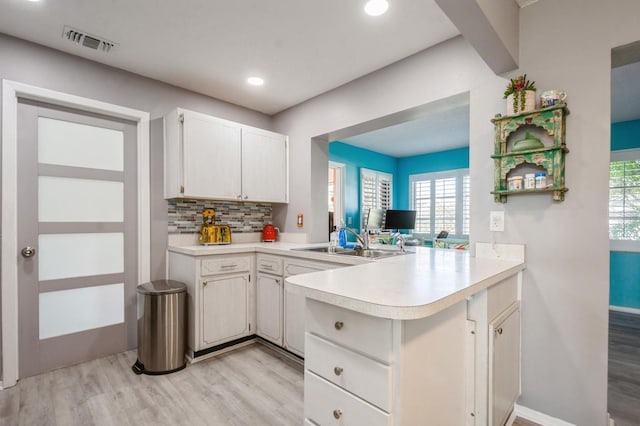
x: 87, y: 40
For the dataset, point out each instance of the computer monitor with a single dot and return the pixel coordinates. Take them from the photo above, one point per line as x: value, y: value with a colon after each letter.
x: 400, y: 219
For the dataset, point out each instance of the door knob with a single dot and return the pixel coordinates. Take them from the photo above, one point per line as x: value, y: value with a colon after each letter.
x: 28, y: 251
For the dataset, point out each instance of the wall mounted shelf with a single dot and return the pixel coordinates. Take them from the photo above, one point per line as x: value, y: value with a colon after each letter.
x: 549, y: 124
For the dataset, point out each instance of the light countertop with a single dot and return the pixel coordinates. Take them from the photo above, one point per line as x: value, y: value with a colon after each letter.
x: 406, y: 287
x: 403, y: 287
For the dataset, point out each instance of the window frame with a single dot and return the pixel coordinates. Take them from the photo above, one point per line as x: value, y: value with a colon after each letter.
x: 622, y: 245
x: 459, y: 175
x: 378, y: 175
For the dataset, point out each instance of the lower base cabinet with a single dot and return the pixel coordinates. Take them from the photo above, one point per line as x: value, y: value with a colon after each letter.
x: 460, y: 366
x: 220, y: 298
x: 269, y: 307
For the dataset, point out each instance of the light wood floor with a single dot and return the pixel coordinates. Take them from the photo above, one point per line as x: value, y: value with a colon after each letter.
x: 624, y: 368
x: 253, y: 385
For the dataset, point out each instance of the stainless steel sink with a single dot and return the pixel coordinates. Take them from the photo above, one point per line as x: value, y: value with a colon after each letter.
x: 369, y: 253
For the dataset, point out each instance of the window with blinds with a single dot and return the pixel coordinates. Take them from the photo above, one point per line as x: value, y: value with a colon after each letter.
x: 624, y: 197
x: 376, y: 191
x: 441, y: 202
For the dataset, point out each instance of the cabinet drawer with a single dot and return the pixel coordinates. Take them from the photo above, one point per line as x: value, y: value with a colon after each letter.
x: 501, y: 296
x: 223, y: 265
x: 368, y: 379
x: 327, y: 404
x: 269, y: 264
x: 369, y: 335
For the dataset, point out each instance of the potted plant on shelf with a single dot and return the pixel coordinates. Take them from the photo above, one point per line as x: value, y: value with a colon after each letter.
x: 520, y: 95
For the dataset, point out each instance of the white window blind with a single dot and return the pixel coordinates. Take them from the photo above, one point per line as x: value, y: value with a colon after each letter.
x: 624, y: 196
x: 376, y: 191
x: 441, y: 201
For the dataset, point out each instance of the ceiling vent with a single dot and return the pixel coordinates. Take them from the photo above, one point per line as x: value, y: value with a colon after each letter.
x: 87, y: 40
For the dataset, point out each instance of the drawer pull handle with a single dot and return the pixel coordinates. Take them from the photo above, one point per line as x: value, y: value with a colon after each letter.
x: 338, y: 325
x: 229, y: 266
x: 337, y: 413
x: 338, y: 371
x: 266, y: 266
x: 499, y: 330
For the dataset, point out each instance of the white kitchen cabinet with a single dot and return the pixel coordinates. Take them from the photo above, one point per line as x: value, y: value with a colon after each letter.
x: 265, y: 166
x: 294, y: 304
x: 495, y: 313
x: 269, y: 298
x: 364, y: 370
x: 211, y: 158
x: 504, y: 364
x: 224, y: 308
x: 269, y: 307
x: 220, y: 298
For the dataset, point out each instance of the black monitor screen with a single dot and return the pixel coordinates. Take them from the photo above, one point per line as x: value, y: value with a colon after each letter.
x: 400, y: 219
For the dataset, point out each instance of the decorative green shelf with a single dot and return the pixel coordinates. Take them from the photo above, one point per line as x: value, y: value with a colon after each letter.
x: 551, y: 124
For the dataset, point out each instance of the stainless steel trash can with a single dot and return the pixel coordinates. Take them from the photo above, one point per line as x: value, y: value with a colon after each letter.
x: 161, y: 327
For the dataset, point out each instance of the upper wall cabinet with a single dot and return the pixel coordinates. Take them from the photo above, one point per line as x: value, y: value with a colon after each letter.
x: 210, y: 158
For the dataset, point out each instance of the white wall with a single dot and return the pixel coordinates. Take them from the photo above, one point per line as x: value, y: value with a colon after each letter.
x: 564, y: 45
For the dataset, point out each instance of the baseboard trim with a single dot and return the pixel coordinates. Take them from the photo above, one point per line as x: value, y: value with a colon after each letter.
x: 624, y: 309
x: 538, y: 417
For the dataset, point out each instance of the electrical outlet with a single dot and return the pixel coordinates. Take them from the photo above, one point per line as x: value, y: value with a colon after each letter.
x: 496, y: 221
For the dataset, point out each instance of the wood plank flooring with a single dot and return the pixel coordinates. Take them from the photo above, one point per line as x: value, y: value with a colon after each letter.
x: 242, y: 387
x: 252, y: 385
x: 624, y: 368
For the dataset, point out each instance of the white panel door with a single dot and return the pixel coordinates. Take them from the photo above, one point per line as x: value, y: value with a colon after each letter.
x: 269, y: 308
x: 211, y: 152
x: 77, y: 231
x: 264, y: 166
x: 505, y: 365
x: 224, y: 308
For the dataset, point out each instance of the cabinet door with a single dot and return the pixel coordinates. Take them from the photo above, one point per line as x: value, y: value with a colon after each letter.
x: 294, y: 305
x: 264, y: 166
x: 211, y: 157
x: 505, y: 364
x: 224, y: 309
x: 269, y: 308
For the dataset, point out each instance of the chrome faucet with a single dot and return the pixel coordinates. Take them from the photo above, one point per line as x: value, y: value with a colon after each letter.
x: 400, y: 242
x: 363, y: 239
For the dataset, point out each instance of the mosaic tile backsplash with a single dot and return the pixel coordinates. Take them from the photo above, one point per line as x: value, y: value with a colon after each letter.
x: 185, y: 216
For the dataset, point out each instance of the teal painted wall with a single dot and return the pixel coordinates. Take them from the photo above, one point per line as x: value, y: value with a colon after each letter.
x: 354, y: 159
x: 624, y: 272
x: 427, y: 163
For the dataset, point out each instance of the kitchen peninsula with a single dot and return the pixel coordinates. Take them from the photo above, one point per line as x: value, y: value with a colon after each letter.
x: 430, y: 336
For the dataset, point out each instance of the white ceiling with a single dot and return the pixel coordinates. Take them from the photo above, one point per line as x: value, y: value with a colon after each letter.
x: 444, y: 125
x: 301, y: 48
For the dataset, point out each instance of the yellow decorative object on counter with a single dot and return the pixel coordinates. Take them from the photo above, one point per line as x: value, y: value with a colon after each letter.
x: 212, y: 233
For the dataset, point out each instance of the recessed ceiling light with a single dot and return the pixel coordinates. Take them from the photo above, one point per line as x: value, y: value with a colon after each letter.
x: 376, y: 7
x: 255, y: 81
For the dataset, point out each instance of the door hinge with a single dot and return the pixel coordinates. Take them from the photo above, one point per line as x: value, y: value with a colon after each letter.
x: 249, y: 327
x: 182, y: 189
x: 249, y: 277
x: 181, y: 118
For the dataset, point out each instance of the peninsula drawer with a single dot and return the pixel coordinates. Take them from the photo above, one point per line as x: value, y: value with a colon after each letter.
x: 222, y: 265
x: 368, y: 379
x: 269, y: 264
x: 327, y: 404
x: 369, y: 335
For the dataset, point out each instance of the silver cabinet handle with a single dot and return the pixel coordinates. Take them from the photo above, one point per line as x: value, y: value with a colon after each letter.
x: 229, y: 266
x: 278, y: 282
x: 499, y: 330
x: 337, y: 413
x: 262, y: 265
x: 28, y: 251
x: 338, y: 325
x: 337, y: 370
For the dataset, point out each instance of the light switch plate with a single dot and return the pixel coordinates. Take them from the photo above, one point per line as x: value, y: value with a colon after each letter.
x: 496, y: 221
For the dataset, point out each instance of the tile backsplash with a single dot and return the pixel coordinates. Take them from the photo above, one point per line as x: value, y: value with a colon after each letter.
x: 185, y: 216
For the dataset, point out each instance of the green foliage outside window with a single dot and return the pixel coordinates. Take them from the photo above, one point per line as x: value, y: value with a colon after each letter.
x: 624, y: 200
